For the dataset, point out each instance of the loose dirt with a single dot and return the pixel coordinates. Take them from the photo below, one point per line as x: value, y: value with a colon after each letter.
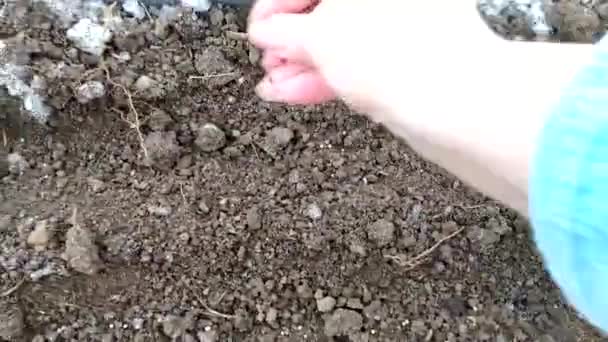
x: 165, y: 202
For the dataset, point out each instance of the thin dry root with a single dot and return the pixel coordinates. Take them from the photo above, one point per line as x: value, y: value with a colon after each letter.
x: 204, y: 77
x: 242, y: 36
x: 418, y: 259
x: 135, y: 124
x: 12, y: 289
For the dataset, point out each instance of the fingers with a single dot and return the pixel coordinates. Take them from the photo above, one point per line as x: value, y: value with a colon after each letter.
x: 271, y: 60
x: 280, y: 28
x: 286, y: 35
x: 294, y: 85
x: 265, y: 8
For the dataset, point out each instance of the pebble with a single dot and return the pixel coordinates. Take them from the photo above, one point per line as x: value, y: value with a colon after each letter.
x: 304, y: 291
x: 382, y: 232
x: 314, y: 212
x: 16, y: 164
x: 485, y: 237
x: 354, y: 303
x: 39, y: 238
x: 254, y: 218
x: 90, y: 91
x: 357, y: 247
x: 159, y: 120
x: 89, y: 36
x: 343, y: 322
x: 212, y: 62
x: 326, y: 304
x: 216, y: 16
x: 419, y: 327
x: 254, y: 55
x: 174, y: 326
x: 500, y: 227
x: 318, y: 294
x: 96, y: 185
x: 279, y: 136
x: 38, y: 338
x: 203, y: 208
x: 373, y: 310
x: 210, y: 138
x: 163, y: 149
x: 81, y: 253
x: 144, y: 83
x: 138, y: 323
x: 271, y: 315
x: 160, y: 210
x: 133, y: 8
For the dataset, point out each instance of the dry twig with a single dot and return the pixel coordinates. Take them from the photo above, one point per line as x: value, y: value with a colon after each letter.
x: 242, y: 36
x: 209, y: 310
x: 204, y: 77
x: 13, y: 289
x: 135, y: 124
x: 217, y: 313
x: 418, y: 259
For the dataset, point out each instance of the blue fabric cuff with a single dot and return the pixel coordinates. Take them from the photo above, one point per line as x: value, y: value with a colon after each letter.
x: 568, y: 194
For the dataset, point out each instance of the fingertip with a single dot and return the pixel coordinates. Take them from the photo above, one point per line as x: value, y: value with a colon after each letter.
x: 303, y: 89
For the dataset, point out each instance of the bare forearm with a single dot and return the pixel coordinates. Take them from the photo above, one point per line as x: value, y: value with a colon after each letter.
x: 492, y: 153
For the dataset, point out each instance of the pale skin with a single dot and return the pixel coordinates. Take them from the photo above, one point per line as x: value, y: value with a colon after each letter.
x: 431, y: 71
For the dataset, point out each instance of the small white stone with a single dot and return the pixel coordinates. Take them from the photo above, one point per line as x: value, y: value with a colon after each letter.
x: 133, y: 8
x: 90, y: 91
x: 314, y: 212
x: 89, y: 36
x: 144, y: 83
x: 16, y: 163
x: 197, y: 5
x: 39, y: 238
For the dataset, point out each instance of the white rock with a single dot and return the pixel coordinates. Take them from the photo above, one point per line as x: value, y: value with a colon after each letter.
x: 39, y: 238
x: 144, y: 83
x: 11, y: 78
x: 90, y: 91
x: 89, y: 36
x: 133, y: 8
x: 16, y: 163
x: 532, y: 9
x: 313, y: 211
x: 197, y: 5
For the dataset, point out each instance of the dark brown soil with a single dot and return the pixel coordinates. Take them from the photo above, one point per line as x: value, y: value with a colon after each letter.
x: 223, y: 218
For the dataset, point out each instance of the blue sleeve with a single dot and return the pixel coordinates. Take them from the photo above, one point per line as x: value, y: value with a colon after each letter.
x: 568, y: 194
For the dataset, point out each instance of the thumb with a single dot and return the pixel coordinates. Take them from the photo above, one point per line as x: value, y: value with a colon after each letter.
x: 289, y: 36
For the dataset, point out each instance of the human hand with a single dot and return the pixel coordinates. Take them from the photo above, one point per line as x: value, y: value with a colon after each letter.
x: 391, y: 60
x: 315, y: 51
x: 463, y: 98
